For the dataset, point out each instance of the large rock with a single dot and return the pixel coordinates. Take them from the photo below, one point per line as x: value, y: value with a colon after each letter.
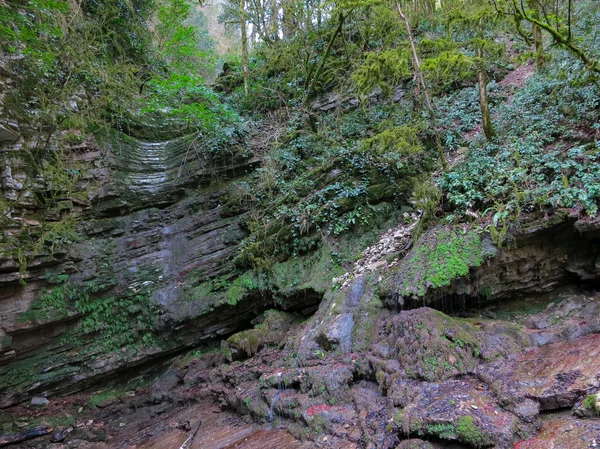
x: 431, y: 345
x: 271, y: 331
x: 556, y: 376
x: 8, y: 132
x: 458, y: 410
x: 544, y: 255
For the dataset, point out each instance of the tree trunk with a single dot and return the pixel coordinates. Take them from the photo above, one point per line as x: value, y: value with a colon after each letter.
x: 421, y: 80
x: 287, y: 19
x: 313, y: 83
x: 486, y: 117
x: 244, y: 44
x: 539, y: 45
x: 274, y: 28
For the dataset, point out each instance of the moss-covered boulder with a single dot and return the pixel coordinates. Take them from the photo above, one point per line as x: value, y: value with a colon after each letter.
x: 458, y: 410
x: 272, y: 331
x: 431, y: 345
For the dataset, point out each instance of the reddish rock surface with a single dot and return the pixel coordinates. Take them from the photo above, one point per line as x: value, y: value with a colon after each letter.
x: 564, y: 432
x: 556, y: 376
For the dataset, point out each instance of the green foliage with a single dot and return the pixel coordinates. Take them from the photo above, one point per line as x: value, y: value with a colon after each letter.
x: 113, y: 322
x: 402, y: 140
x: 52, y: 304
x: 240, y: 287
x: 441, y: 430
x: 175, y: 40
x: 425, y: 198
x: 117, y: 322
x: 541, y: 163
x: 187, y: 101
x: 384, y: 70
x: 177, y: 92
x: 448, y: 68
x: 590, y: 402
x: 314, y: 187
x: 468, y: 432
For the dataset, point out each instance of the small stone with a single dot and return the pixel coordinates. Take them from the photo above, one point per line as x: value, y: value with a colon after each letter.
x: 7, y: 134
x: 39, y: 402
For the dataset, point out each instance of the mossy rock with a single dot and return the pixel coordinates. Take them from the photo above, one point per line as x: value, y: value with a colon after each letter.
x: 433, y: 346
x: 440, y: 257
x: 272, y: 331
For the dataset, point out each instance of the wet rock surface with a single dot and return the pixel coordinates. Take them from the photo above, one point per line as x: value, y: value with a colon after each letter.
x: 142, y: 237
x: 564, y: 431
x: 364, y: 372
x: 556, y: 376
x: 498, y: 396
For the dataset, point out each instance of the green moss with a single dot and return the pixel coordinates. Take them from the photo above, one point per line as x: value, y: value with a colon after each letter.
x: 242, y: 286
x: 468, y: 432
x: 591, y: 403
x: 449, y: 346
x: 312, y: 271
x: 271, y: 331
x: 38, y: 367
x: 104, y: 397
x: 441, y: 257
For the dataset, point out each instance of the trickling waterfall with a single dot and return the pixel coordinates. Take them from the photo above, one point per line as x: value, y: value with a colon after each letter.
x: 150, y: 167
x: 273, y: 404
x: 153, y: 172
x: 280, y: 390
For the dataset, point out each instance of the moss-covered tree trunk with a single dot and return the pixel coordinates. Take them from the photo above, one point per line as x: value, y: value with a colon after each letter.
x: 486, y: 117
x: 420, y: 80
x: 244, y: 44
x: 538, y: 42
x: 274, y: 21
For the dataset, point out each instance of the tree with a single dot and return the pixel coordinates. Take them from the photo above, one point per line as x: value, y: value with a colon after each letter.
x: 235, y: 14
x: 477, y: 15
x: 555, y: 18
x: 486, y: 117
x: 421, y: 82
x: 242, y: 12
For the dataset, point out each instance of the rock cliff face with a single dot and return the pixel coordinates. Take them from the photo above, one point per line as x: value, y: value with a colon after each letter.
x: 150, y: 225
